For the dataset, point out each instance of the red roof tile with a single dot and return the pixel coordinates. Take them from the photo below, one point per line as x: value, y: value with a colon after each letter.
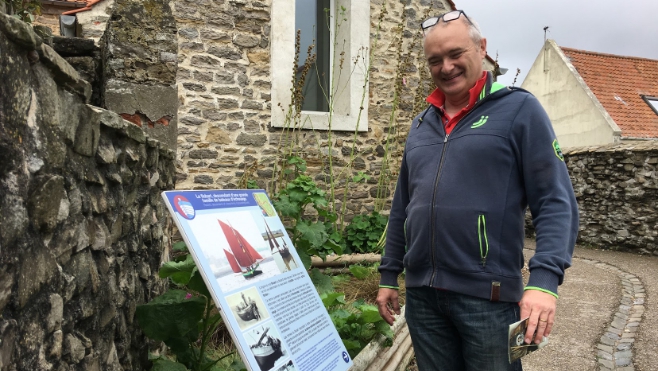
x: 89, y: 4
x: 619, y: 83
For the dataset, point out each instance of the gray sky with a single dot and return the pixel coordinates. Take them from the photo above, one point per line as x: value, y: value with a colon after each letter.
x: 514, y: 28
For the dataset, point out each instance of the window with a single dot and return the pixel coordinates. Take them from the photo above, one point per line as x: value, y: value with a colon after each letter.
x: 652, y: 102
x: 312, y: 18
x: 354, y: 34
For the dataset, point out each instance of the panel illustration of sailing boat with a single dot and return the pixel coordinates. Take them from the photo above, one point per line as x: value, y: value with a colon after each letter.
x: 242, y: 258
x: 254, y: 274
x: 280, y: 251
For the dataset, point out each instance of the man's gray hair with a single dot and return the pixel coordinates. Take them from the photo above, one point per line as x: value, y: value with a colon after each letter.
x: 473, y: 29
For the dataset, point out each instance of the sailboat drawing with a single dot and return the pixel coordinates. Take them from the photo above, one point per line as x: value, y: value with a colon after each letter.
x: 284, y: 251
x: 242, y: 258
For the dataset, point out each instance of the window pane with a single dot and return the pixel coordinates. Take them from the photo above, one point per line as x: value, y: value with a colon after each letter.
x: 311, y: 17
x: 654, y: 103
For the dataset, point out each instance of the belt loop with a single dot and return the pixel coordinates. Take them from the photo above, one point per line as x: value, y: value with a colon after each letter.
x: 495, y: 291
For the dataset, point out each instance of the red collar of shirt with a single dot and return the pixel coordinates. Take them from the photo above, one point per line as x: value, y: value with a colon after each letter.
x: 437, y: 99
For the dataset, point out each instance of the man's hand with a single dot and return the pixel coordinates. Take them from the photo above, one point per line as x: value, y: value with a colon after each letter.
x: 540, y: 308
x: 388, y: 304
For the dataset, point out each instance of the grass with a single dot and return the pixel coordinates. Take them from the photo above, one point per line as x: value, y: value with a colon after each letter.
x: 362, y: 288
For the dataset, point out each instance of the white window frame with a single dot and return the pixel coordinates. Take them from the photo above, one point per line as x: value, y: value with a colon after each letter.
x: 356, y: 33
x: 652, y: 102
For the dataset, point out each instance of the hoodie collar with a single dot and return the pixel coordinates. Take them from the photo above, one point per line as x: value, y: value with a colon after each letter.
x: 481, y: 89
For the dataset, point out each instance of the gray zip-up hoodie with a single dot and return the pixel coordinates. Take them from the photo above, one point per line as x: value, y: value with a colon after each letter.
x: 457, y: 219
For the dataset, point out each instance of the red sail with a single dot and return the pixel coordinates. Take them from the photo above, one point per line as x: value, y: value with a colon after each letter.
x: 254, y: 254
x: 244, y: 254
x: 231, y: 260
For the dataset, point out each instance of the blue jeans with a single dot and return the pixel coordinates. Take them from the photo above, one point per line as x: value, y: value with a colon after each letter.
x: 455, y: 332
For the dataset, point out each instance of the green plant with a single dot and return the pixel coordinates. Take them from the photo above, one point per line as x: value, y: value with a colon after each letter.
x: 311, y: 235
x: 357, y: 323
x: 362, y: 235
x: 25, y: 10
x: 183, y: 318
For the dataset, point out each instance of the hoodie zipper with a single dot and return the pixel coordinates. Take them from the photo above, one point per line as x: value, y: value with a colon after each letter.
x: 436, y: 182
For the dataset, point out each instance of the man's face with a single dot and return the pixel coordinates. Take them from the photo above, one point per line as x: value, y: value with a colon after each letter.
x: 454, y: 60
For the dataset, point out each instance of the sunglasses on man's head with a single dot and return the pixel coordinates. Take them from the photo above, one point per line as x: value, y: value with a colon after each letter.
x: 447, y: 17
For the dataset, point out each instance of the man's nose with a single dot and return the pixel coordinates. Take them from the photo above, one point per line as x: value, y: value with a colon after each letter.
x: 447, y: 65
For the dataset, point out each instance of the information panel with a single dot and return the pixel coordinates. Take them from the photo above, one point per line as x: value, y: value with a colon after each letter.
x: 256, y: 278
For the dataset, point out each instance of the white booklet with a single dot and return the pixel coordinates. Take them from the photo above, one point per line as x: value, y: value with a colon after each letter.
x: 517, y: 345
x: 257, y: 280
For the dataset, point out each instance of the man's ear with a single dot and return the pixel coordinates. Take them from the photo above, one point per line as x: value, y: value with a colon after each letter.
x: 483, y: 47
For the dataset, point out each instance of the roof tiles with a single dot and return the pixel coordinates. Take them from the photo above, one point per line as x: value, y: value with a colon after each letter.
x: 619, y: 83
x: 89, y: 4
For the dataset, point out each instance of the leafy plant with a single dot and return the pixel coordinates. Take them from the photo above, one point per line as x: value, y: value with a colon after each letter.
x: 25, y: 10
x: 357, y: 323
x: 310, y: 234
x: 362, y: 235
x: 183, y: 318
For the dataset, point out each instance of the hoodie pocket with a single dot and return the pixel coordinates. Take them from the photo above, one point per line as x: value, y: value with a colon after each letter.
x: 462, y: 240
x: 483, y: 240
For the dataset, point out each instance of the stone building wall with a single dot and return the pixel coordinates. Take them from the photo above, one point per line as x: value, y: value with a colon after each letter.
x: 224, y: 81
x: 617, y: 191
x: 83, y: 229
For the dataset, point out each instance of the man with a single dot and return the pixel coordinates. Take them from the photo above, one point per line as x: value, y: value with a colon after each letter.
x: 474, y: 160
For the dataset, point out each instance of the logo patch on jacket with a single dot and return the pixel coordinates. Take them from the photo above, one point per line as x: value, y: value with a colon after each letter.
x: 483, y: 120
x: 558, y: 151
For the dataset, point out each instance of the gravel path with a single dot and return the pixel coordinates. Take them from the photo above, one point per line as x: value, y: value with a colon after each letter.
x: 607, y: 316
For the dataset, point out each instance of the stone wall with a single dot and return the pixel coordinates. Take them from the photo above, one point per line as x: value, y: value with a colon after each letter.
x: 224, y: 81
x: 83, y: 229
x: 617, y: 191
x: 139, y: 66
x: 93, y: 22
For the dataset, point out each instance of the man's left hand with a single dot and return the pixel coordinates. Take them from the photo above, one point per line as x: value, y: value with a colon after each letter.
x: 540, y: 308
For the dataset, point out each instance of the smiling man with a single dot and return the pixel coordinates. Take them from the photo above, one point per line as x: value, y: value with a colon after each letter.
x: 475, y: 159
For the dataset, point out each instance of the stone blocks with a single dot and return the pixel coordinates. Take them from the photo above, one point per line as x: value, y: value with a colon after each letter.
x: 82, y: 225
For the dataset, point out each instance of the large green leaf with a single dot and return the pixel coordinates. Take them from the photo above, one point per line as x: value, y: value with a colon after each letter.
x: 297, y: 195
x: 179, y: 246
x: 359, y: 272
x: 319, y: 200
x: 170, y: 315
x: 197, y: 284
x: 321, y: 281
x: 314, y: 233
x: 369, y: 314
x: 298, y: 162
x: 306, y: 259
x: 334, y: 246
x: 383, y: 328
x: 163, y: 364
x: 329, y: 299
x: 286, y: 207
x: 179, y: 272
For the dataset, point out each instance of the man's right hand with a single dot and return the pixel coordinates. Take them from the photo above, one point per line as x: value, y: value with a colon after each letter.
x: 388, y: 304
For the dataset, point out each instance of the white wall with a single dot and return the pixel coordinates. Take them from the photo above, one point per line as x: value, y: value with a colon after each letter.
x: 577, y: 116
x: 94, y: 22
